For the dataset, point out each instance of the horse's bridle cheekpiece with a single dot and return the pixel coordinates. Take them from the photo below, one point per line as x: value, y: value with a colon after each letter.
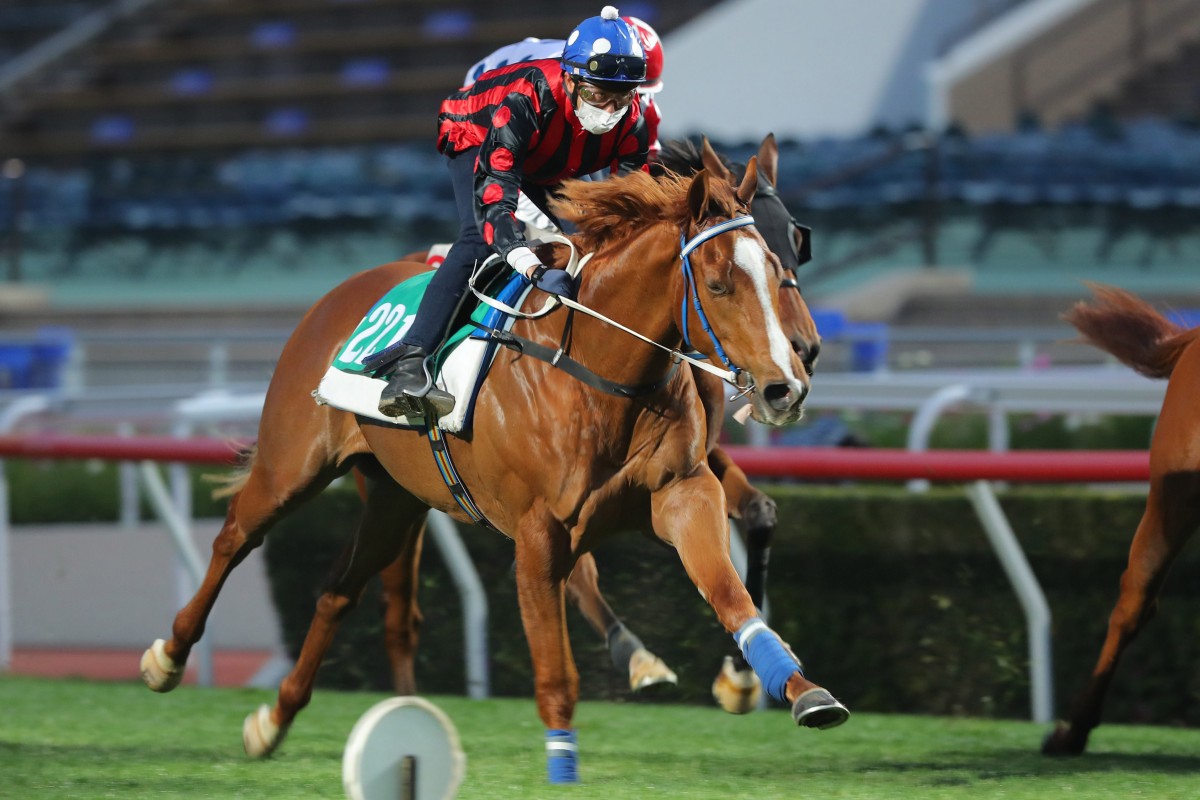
x: 689, y: 280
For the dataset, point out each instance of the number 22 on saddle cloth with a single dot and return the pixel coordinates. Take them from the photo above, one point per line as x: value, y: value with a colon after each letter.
x: 459, y: 369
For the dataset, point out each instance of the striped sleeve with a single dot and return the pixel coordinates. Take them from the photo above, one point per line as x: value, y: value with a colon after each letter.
x: 499, y: 172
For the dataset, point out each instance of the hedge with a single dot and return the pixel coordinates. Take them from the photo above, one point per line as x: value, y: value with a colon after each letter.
x: 37, y: 488
x: 894, y: 601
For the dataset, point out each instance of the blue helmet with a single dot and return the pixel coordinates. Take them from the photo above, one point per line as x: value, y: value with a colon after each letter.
x: 605, y: 49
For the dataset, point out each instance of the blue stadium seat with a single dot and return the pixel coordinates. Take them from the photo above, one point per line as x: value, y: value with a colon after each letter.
x: 16, y: 364
x: 273, y: 35
x: 112, y: 129
x: 365, y: 72
x: 50, y: 353
x: 192, y: 82
x: 449, y: 24
x: 286, y: 122
x: 868, y: 345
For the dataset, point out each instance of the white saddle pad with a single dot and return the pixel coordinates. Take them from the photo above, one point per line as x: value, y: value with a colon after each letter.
x: 359, y: 394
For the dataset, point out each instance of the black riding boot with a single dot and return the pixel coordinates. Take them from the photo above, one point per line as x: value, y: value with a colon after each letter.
x: 409, y: 383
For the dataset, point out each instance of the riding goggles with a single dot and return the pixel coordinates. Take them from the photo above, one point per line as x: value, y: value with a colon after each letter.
x: 608, y: 66
x: 595, y: 96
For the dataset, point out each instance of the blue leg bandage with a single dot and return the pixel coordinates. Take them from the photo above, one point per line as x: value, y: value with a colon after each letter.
x: 562, y: 756
x: 770, y: 658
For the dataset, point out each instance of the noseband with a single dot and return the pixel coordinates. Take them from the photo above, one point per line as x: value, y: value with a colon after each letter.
x: 689, y: 280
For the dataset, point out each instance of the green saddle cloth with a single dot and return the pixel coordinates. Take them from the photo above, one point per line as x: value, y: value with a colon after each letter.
x: 389, y: 319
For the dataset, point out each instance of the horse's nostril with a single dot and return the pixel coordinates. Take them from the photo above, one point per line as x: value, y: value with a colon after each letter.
x: 779, y: 396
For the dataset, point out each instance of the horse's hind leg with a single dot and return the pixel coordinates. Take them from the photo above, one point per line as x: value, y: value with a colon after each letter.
x: 389, y: 529
x: 624, y: 647
x: 401, y: 614
x: 736, y: 688
x: 1171, y: 517
x: 266, y: 496
x: 690, y: 514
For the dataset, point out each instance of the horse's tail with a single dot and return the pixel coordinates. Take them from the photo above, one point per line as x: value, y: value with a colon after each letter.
x: 1131, y: 329
x: 230, y: 484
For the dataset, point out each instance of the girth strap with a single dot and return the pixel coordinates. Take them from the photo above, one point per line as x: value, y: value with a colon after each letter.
x: 445, y: 465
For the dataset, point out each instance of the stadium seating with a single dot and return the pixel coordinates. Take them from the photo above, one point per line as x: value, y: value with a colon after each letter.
x: 270, y: 139
x: 1017, y: 205
x: 232, y: 74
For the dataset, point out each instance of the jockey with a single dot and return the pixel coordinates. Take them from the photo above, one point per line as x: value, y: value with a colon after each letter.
x: 523, y: 127
x: 531, y: 49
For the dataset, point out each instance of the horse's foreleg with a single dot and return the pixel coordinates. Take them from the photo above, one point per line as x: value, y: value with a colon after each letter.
x: 390, y: 524
x: 690, y: 514
x: 758, y: 515
x: 543, y: 566
x: 251, y: 512
x: 624, y: 647
x: 1171, y: 517
x: 402, y: 616
x: 736, y: 688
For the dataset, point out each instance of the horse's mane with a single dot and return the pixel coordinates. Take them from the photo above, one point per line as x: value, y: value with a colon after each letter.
x: 618, y: 208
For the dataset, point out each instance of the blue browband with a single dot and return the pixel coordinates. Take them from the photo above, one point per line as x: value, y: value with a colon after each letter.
x: 689, y: 280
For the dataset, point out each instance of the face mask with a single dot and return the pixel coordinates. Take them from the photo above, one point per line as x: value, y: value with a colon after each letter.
x: 596, y: 120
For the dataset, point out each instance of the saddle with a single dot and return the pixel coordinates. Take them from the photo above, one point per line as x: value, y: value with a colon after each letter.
x: 358, y: 374
x: 491, y: 279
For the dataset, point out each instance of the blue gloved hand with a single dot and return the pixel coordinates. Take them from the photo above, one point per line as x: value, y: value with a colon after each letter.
x: 554, y: 281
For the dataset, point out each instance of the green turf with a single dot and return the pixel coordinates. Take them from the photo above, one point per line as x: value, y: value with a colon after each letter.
x: 74, y: 739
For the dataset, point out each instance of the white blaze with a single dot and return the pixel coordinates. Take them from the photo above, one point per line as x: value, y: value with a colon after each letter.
x: 749, y: 255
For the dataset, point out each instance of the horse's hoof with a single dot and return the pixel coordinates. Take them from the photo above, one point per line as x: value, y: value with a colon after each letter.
x: 159, y: 670
x: 760, y: 514
x: 817, y: 708
x: 260, y: 735
x: 1062, y: 742
x: 736, y: 691
x: 647, y: 669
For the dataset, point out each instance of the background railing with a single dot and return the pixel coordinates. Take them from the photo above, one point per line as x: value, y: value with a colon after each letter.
x: 977, y: 469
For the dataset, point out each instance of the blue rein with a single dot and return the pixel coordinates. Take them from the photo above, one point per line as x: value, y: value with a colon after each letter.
x: 689, y: 280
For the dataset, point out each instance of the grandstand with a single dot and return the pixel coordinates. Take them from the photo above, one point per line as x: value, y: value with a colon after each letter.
x: 250, y: 153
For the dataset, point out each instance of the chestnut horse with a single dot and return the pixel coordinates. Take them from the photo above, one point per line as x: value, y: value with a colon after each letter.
x: 736, y: 687
x: 551, y: 462
x: 1133, y: 331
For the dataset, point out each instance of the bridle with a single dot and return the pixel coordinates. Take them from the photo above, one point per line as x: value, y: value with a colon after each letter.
x: 736, y: 377
x: 689, y: 288
x: 766, y: 191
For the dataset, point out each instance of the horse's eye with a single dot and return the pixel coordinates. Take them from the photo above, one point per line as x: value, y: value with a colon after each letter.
x: 716, y: 288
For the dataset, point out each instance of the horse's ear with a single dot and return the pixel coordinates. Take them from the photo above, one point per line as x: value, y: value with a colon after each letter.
x: 699, y: 197
x: 768, y: 159
x: 749, y: 182
x: 712, y: 162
